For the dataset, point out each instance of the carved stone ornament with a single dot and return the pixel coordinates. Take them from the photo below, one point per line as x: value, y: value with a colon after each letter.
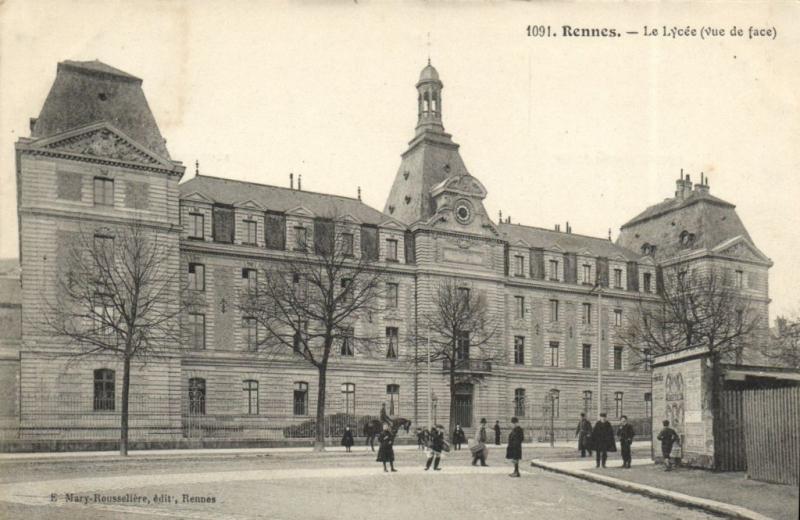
x: 103, y: 143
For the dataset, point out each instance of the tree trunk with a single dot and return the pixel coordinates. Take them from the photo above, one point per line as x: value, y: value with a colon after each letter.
x: 123, y: 430
x: 452, y: 423
x: 716, y: 407
x: 319, y: 434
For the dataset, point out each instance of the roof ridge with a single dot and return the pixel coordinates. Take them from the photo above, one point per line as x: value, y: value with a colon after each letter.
x: 278, y: 187
x: 554, y: 231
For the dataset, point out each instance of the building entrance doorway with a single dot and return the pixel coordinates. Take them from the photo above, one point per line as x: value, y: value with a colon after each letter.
x: 463, y: 404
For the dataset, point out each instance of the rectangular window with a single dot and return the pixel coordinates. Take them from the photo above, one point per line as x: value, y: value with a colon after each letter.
x: 553, y: 310
x: 393, y: 397
x: 554, y: 270
x: 519, y: 350
x: 300, y: 399
x: 587, y: 314
x: 250, y: 388
x: 519, y: 402
x: 618, y: 278
x: 648, y: 282
x: 347, y: 244
x: 197, y: 396
x: 391, y: 342
x: 103, y: 191
x: 347, y: 290
x: 349, y: 398
x: 391, y: 295
x: 105, y: 317
x: 251, y: 230
x: 251, y: 275
x: 519, y: 307
x: 197, y: 331
x: 462, y: 345
x: 554, y: 396
x: 618, y: 404
x: 391, y: 250
x: 300, y: 336
x: 300, y: 238
x: 554, y: 353
x: 648, y: 404
x: 104, y: 248
x: 250, y: 333
x: 104, y: 390
x: 586, y: 358
x: 617, y: 358
x: 463, y: 294
x: 739, y: 279
x: 519, y: 265
x: 647, y: 359
x: 587, y: 401
x: 347, y: 342
x: 587, y: 273
x: 617, y: 317
x: 197, y: 277
x: 196, y: 226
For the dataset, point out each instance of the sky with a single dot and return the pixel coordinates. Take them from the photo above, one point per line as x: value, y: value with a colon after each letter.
x: 585, y: 130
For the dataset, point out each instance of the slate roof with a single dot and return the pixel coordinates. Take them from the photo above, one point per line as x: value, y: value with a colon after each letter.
x: 275, y: 198
x: 568, y: 242
x: 86, y: 92
x: 674, y: 204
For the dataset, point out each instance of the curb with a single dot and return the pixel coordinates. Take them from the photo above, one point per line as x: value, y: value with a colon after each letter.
x: 711, y: 506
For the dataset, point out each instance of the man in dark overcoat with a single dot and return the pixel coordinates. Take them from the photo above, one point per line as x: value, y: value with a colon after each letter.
x: 625, y: 433
x: 603, y: 440
x: 436, y: 447
x: 497, y: 433
x: 386, y: 451
x: 458, y: 437
x: 514, y: 449
x: 584, y: 433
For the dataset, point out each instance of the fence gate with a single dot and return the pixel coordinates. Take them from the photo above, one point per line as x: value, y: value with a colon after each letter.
x: 729, y: 448
x: 772, y: 432
x: 463, y: 404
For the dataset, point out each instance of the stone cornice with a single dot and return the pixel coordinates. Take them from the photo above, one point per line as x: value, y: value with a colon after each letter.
x: 101, y: 218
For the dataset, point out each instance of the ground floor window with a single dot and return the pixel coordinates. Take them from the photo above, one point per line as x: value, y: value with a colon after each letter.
x: 587, y: 401
x: 618, y: 404
x: 393, y: 396
x: 648, y: 404
x: 250, y: 388
x: 349, y: 397
x: 197, y: 396
x: 519, y: 402
x: 301, y: 398
x: 103, y: 390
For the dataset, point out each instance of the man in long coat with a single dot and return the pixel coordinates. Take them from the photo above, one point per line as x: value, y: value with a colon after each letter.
x: 626, y: 434
x: 603, y: 440
x: 514, y: 449
x: 386, y: 451
x: 479, y: 449
x: 584, y: 433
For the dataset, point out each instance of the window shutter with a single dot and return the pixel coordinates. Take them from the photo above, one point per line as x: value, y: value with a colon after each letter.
x: 408, y: 241
x: 570, y: 268
x: 323, y: 235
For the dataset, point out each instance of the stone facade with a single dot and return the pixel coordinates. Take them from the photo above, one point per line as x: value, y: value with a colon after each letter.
x: 538, y: 282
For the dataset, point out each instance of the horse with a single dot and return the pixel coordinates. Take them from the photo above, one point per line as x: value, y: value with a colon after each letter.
x: 375, y: 426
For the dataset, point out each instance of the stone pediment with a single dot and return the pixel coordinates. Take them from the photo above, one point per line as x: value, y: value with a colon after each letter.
x: 249, y: 204
x: 196, y: 196
x: 740, y: 248
x: 301, y: 211
x: 103, y: 141
x: 461, y: 184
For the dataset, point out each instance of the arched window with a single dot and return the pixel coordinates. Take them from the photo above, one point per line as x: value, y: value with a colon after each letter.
x: 393, y: 396
x: 197, y: 396
x: 427, y: 99
x: 519, y: 402
x: 435, y: 103
x: 103, y: 389
x: 301, y: 398
x: 349, y: 397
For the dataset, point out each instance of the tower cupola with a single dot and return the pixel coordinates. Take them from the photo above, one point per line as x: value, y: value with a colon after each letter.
x: 429, y: 100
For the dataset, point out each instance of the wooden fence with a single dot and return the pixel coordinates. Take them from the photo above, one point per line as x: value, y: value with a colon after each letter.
x: 772, y: 434
x: 729, y: 448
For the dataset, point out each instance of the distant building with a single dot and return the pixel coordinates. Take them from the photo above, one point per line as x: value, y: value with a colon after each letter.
x: 96, y: 158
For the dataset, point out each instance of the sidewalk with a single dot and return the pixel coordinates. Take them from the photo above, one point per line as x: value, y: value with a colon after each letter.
x: 228, y: 452
x: 728, y: 494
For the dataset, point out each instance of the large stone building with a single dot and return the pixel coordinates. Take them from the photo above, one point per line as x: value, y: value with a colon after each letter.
x: 96, y: 159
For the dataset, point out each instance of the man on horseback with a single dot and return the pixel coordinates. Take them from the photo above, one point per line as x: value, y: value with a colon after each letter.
x: 385, y: 417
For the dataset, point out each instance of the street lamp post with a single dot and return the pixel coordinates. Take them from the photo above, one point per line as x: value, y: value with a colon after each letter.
x: 597, y: 287
x: 430, y: 391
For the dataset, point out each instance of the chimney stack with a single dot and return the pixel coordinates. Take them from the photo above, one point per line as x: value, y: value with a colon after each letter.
x: 569, y: 229
x: 683, y: 187
x: 558, y: 227
x: 359, y: 193
x: 703, y: 186
x: 500, y: 216
x: 291, y: 181
x: 299, y: 182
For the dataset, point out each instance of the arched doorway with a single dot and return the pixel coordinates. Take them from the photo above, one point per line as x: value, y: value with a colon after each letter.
x: 463, y: 404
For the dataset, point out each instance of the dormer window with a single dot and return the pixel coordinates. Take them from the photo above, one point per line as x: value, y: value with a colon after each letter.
x: 648, y: 249
x: 686, y: 238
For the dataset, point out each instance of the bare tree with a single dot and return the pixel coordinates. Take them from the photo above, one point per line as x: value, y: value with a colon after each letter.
x: 312, y: 304
x: 700, y: 306
x: 784, y: 344
x: 117, y: 294
x: 460, y: 328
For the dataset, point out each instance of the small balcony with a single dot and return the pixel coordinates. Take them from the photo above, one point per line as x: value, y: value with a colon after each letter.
x: 469, y: 366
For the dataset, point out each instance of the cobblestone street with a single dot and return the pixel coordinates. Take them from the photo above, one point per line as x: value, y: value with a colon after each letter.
x: 304, y: 485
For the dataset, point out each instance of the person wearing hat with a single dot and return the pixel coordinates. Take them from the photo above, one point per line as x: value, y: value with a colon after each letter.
x: 386, y: 451
x: 479, y: 449
x: 626, y: 434
x: 603, y: 440
x: 497, y: 433
x: 437, y: 445
x: 584, y: 434
x: 514, y: 449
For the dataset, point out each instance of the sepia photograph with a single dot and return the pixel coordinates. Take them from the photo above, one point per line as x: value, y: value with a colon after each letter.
x: 368, y: 259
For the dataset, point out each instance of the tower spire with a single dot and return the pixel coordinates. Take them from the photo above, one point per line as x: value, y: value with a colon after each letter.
x: 429, y: 100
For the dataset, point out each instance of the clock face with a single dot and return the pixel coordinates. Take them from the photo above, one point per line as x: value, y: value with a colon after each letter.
x: 463, y: 212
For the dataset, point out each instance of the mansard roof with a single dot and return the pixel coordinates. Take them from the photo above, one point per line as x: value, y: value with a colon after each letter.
x: 274, y: 198
x: 567, y: 242
x: 675, y: 204
x: 86, y: 92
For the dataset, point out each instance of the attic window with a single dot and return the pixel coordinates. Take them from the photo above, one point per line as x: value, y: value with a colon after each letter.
x: 408, y: 199
x: 648, y: 249
x: 687, y: 239
x: 447, y: 168
x: 102, y: 96
x: 405, y: 175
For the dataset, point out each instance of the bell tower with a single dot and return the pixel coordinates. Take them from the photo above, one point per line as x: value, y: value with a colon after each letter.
x: 429, y: 100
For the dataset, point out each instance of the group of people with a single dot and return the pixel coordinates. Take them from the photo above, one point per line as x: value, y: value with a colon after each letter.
x: 600, y: 439
x: 435, y: 443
